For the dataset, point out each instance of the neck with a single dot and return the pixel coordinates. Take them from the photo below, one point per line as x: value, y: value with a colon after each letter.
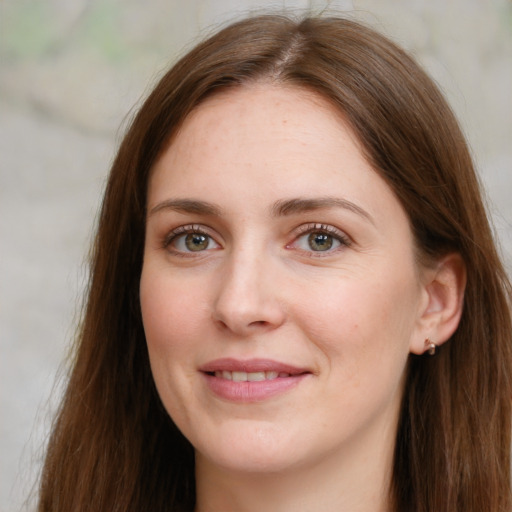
x: 357, y: 482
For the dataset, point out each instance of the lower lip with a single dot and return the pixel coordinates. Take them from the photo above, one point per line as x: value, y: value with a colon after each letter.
x: 251, y: 391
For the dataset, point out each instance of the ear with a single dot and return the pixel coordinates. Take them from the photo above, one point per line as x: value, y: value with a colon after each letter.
x: 441, y: 306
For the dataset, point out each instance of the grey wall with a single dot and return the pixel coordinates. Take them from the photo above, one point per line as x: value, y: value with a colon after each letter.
x: 70, y: 70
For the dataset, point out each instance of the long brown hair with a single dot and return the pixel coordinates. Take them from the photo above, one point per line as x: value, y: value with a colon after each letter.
x: 114, y: 448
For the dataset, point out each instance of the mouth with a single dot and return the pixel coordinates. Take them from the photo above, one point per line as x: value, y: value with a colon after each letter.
x: 253, y: 380
x: 249, y: 376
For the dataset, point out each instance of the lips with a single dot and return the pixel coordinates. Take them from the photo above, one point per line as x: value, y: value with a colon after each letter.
x: 252, y: 380
x: 250, y: 376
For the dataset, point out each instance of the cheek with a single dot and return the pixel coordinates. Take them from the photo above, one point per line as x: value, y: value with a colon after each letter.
x: 357, y: 317
x: 170, y: 310
x: 172, y: 321
x: 364, y: 331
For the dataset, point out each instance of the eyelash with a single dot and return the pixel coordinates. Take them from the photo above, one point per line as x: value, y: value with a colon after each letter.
x: 320, y: 228
x: 184, y: 230
x: 301, y: 231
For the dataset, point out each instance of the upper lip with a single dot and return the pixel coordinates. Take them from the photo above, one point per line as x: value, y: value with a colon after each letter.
x: 250, y: 366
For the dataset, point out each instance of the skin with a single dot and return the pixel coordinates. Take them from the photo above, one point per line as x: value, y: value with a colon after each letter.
x: 350, y: 315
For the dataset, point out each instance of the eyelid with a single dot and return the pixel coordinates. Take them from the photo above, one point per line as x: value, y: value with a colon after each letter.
x: 184, y: 230
x: 320, y: 227
x: 300, y: 231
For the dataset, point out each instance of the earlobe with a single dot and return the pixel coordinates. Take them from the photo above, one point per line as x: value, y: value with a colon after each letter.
x: 444, y: 300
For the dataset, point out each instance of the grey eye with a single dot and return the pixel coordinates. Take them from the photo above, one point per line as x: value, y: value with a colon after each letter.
x: 197, y: 242
x: 320, y: 241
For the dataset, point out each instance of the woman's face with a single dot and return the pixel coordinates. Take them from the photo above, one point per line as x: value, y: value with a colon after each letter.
x: 280, y: 293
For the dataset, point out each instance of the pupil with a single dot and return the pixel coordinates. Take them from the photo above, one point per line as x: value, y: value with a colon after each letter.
x: 196, y: 242
x: 320, y: 241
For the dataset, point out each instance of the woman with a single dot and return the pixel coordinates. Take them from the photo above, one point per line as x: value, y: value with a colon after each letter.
x: 295, y: 300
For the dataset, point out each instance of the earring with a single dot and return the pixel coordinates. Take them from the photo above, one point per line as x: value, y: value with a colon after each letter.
x: 430, y: 347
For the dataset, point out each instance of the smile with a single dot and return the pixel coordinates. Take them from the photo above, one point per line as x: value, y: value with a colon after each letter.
x: 250, y: 376
x: 250, y: 381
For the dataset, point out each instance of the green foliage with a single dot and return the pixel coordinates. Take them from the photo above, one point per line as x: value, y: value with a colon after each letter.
x: 32, y: 29
x: 26, y: 29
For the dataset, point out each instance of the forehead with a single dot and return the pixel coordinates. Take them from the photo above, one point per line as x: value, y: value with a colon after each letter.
x: 257, y: 126
x: 267, y: 142
x: 277, y: 106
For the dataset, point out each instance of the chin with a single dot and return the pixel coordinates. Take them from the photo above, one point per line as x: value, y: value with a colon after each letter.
x: 260, y: 451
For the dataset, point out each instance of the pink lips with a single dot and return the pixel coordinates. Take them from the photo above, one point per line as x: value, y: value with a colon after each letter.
x: 252, y: 380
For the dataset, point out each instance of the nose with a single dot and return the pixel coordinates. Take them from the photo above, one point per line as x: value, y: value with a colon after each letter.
x: 247, y: 300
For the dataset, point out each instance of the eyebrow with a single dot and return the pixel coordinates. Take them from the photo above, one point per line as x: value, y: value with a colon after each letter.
x: 187, y: 206
x: 280, y: 208
x: 300, y: 205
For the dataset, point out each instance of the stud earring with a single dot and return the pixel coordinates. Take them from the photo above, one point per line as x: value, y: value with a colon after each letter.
x: 430, y: 347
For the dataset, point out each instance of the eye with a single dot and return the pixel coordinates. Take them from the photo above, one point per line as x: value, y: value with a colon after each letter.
x: 317, y: 241
x: 193, y: 242
x: 321, y: 241
x: 320, y: 238
x: 189, y: 239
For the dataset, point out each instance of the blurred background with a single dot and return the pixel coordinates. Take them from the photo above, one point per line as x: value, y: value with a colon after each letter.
x: 71, y: 71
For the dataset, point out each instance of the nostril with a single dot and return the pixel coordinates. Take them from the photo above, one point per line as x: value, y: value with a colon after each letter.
x: 243, y: 316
